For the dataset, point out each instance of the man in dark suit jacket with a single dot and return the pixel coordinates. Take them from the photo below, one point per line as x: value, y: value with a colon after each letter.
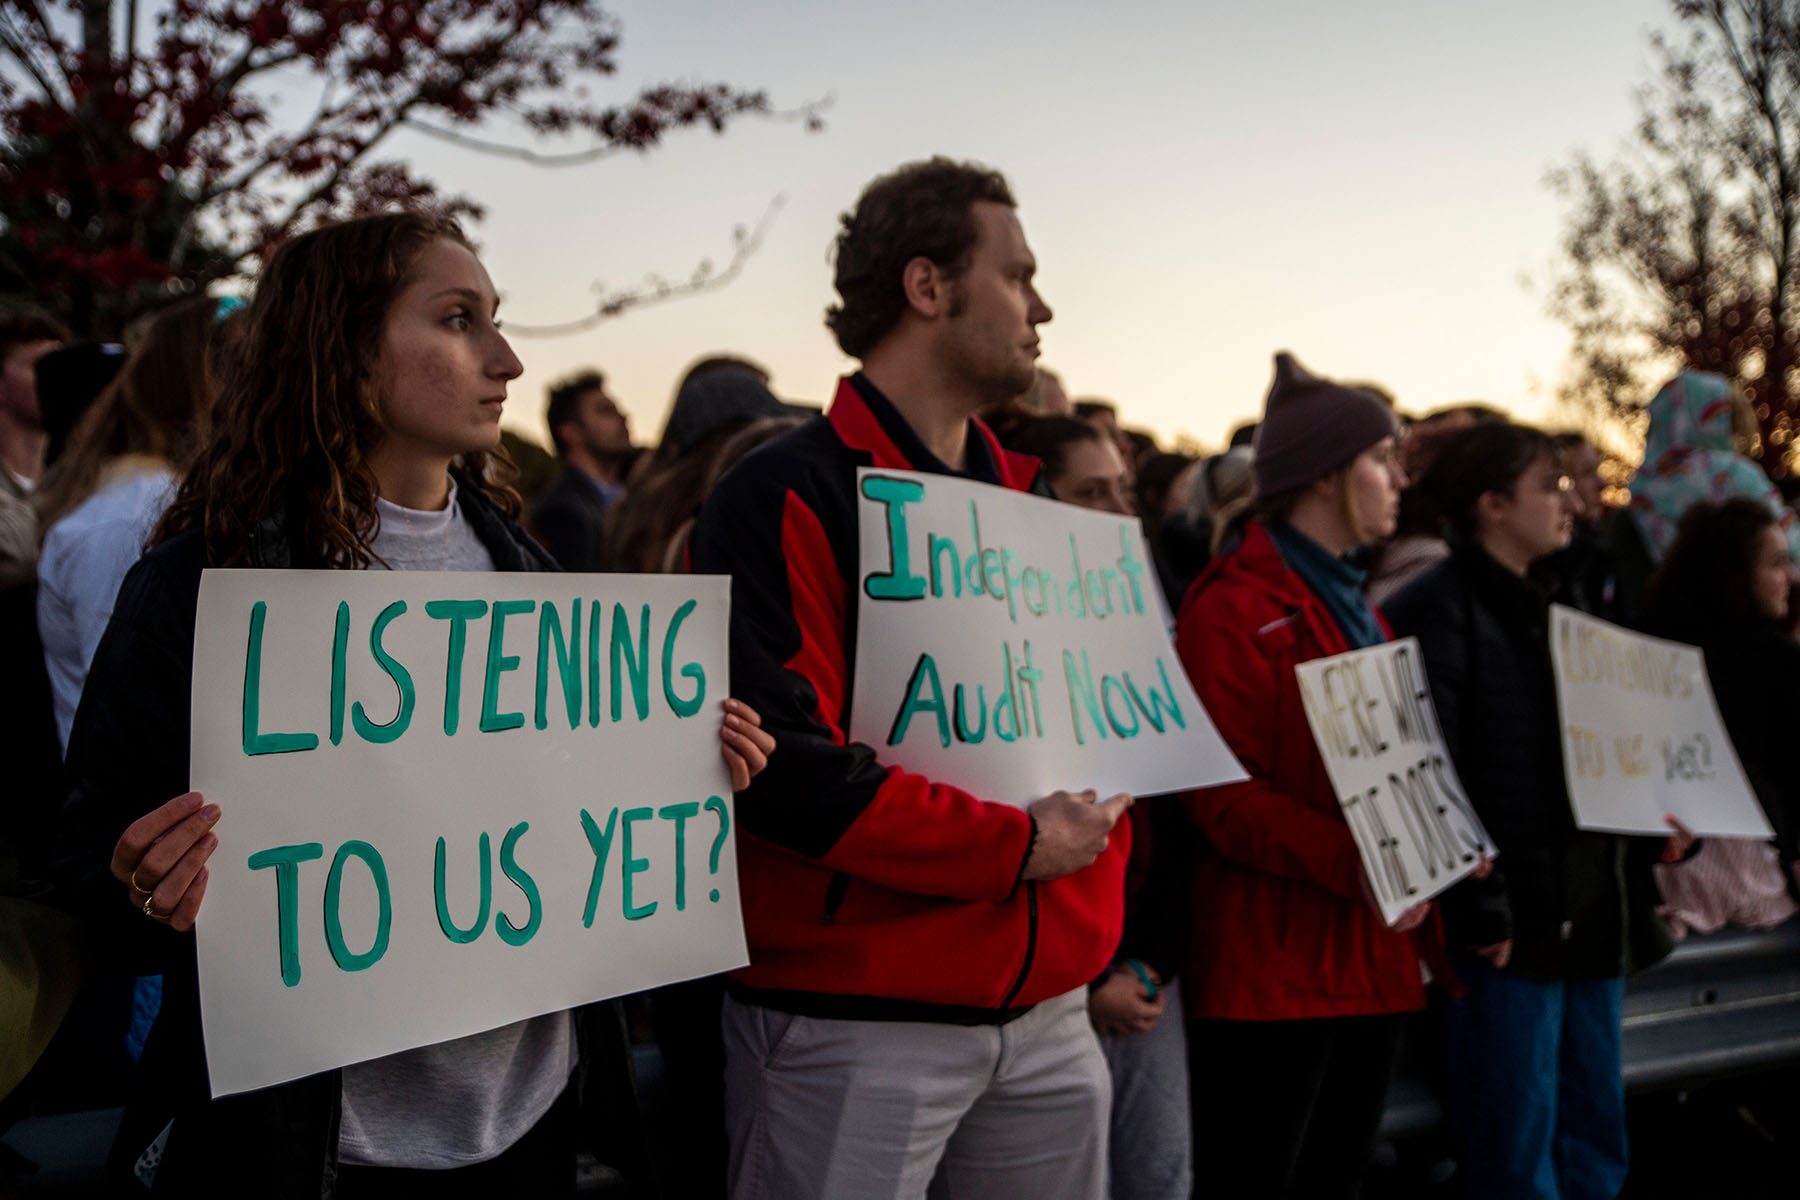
x: 593, y: 442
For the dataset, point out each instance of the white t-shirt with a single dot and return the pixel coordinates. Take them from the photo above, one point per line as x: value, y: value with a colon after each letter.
x: 86, y: 556
x: 465, y: 1101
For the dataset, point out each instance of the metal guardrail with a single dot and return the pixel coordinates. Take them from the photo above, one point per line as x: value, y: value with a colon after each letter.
x: 1722, y: 1004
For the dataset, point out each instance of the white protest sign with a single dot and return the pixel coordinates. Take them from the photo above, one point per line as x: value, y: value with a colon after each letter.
x: 1373, y: 721
x: 1013, y: 646
x: 1642, y: 736
x: 452, y: 801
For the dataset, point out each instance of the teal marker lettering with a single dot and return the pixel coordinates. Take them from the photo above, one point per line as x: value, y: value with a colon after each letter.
x: 600, y: 842
x: 681, y: 814
x: 936, y: 550
x: 1132, y: 567
x: 899, y: 581
x: 593, y: 663
x: 366, y: 729
x: 693, y: 670
x: 255, y: 741
x: 924, y: 694
x: 629, y: 867
x: 498, y: 664
x: 461, y: 936
x: 340, y: 644
x: 636, y: 661
x: 334, y: 926
x: 518, y: 935
x: 1081, y: 688
x: 568, y: 662
x: 286, y: 860
x: 459, y: 613
x: 1110, y: 688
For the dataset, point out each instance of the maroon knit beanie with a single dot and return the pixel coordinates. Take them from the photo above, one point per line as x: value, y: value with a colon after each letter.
x: 1312, y: 426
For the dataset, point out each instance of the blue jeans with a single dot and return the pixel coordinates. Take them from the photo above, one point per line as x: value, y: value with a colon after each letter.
x: 1537, y: 1095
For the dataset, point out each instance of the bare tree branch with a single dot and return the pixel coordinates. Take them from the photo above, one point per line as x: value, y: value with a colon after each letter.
x: 200, y: 175
x: 655, y: 290
x: 810, y: 113
x: 20, y: 51
x: 278, y: 150
x: 329, y: 184
x: 35, y: 11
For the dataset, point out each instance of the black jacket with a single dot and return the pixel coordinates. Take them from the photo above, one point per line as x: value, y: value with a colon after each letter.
x: 1576, y: 904
x: 570, y: 517
x: 1753, y: 666
x: 128, y: 753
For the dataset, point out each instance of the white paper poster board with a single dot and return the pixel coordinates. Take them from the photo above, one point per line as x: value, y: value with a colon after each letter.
x: 1642, y: 736
x: 1013, y: 646
x: 452, y: 801
x: 1373, y: 721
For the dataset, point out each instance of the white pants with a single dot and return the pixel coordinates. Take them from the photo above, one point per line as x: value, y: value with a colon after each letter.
x: 901, y: 1110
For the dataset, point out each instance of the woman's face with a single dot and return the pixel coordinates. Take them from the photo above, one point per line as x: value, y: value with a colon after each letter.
x: 1771, y: 575
x: 1093, y: 476
x: 1372, y: 484
x: 443, y: 366
x: 1538, y: 517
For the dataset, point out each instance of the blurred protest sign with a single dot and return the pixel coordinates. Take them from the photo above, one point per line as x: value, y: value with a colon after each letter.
x: 1642, y: 736
x: 1372, y: 719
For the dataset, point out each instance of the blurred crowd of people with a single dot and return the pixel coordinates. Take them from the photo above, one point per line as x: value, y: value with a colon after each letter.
x: 1210, y: 1002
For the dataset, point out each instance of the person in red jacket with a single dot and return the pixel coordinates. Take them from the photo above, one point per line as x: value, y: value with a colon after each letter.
x: 915, y: 1005
x: 1293, y: 985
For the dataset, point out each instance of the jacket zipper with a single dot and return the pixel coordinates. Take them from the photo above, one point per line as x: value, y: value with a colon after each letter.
x: 1031, y: 931
x: 835, y: 891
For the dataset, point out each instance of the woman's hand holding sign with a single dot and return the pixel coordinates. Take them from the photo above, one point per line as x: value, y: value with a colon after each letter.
x: 162, y: 856
x: 1072, y: 831
x: 746, y: 745
x: 1680, y: 843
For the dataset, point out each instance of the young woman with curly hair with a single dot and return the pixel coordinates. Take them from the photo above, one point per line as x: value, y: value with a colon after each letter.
x: 359, y: 423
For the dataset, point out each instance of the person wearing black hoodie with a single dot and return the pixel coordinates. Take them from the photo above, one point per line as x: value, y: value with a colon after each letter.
x: 1724, y: 587
x: 1543, y: 943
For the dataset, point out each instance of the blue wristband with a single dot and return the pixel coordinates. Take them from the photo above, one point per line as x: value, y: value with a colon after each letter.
x: 1137, y: 968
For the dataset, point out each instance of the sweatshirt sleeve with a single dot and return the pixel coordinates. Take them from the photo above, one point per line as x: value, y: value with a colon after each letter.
x: 1255, y: 822
x: 128, y: 753
x: 822, y: 795
x: 1477, y: 912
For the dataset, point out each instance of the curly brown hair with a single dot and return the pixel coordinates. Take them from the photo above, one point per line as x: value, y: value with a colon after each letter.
x: 922, y: 210
x: 1705, y: 582
x: 298, y: 416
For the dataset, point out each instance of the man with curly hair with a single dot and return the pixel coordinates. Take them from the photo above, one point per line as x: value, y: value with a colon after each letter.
x: 914, y: 1013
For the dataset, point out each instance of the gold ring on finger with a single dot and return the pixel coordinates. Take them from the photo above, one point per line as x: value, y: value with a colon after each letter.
x: 138, y: 887
x: 150, y: 910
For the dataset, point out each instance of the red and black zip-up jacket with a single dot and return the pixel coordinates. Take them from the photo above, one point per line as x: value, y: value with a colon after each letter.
x: 869, y: 891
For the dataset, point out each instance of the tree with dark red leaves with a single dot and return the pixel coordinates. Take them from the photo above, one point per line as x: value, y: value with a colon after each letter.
x: 1685, y: 250
x: 137, y: 164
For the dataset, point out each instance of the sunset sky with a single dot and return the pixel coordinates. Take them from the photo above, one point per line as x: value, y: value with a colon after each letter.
x: 1202, y: 183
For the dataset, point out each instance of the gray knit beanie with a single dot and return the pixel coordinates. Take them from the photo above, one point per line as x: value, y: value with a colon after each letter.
x: 1312, y: 426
